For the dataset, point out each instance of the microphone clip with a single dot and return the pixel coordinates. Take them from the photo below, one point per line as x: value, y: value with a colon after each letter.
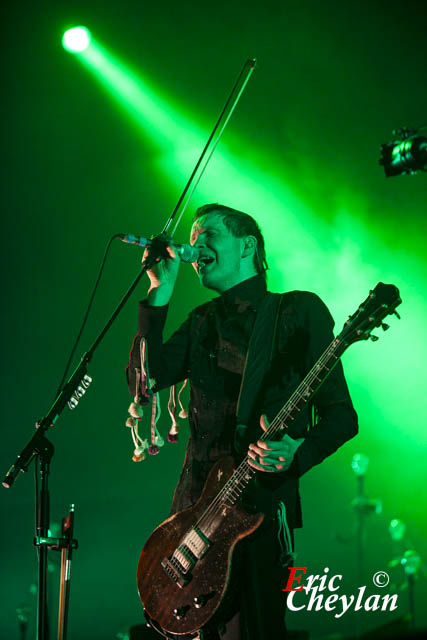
x: 157, y: 249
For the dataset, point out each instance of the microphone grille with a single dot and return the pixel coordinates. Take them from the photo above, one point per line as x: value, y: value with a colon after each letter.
x: 187, y: 253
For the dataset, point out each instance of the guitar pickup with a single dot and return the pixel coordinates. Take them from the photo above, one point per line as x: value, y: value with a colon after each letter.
x: 197, y: 543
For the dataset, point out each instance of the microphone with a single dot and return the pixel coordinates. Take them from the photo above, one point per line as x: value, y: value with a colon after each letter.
x: 186, y: 252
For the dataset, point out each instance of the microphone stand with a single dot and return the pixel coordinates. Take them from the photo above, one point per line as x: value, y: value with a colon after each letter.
x: 39, y: 446
x: 408, y: 558
x: 363, y: 507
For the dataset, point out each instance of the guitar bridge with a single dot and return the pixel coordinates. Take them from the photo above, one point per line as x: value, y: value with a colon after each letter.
x: 174, y: 572
x: 185, y: 557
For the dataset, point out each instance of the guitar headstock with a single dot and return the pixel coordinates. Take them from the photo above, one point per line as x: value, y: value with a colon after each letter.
x: 381, y: 302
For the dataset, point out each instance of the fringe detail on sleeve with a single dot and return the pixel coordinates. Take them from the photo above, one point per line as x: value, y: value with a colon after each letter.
x: 143, y: 396
x: 172, y: 408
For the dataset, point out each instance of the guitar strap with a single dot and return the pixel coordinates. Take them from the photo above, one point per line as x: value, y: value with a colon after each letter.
x: 258, y: 359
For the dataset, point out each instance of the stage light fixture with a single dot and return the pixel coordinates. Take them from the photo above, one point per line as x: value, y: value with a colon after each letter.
x: 406, y: 155
x: 76, y: 39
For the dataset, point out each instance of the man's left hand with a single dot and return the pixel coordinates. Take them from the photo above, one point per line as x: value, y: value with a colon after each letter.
x: 273, y: 455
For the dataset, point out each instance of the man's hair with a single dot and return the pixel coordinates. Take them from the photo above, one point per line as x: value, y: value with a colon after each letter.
x: 240, y: 224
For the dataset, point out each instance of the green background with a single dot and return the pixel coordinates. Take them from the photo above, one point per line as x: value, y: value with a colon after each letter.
x: 105, y: 147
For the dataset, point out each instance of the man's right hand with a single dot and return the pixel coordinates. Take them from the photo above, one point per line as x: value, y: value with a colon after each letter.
x: 163, y: 275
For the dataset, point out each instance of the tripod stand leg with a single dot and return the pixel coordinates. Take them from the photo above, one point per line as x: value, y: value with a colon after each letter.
x: 64, y: 587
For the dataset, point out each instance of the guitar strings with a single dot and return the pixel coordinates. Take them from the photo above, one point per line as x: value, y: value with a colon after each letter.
x: 276, y: 425
x: 244, y: 470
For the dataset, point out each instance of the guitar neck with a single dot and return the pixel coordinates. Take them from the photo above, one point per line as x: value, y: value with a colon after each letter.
x: 244, y: 473
x: 305, y: 390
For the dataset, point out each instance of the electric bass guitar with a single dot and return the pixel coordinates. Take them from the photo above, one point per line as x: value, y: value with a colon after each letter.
x: 185, y: 566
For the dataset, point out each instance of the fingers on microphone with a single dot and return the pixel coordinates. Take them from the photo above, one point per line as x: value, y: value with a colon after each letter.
x: 172, y: 253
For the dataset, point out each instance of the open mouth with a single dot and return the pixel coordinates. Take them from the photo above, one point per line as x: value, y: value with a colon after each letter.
x: 204, y: 261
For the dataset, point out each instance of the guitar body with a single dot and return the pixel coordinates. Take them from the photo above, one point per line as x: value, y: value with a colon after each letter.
x: 184, y: 570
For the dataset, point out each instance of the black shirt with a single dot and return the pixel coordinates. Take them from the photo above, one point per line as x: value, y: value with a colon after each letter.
x: 210, y: 348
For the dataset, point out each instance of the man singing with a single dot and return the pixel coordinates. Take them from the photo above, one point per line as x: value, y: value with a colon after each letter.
x: 210, y: 349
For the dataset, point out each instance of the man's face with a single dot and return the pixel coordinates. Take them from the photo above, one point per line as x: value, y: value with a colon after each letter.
x: 220, y: 253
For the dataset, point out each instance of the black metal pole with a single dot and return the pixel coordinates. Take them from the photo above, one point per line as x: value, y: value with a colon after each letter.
x: 44, y: 456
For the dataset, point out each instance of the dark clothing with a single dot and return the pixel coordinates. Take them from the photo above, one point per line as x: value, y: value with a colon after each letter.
x: 258, y: 611
x: 210, y: 349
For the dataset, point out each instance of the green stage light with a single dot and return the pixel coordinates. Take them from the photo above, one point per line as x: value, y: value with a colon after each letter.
x: 76, y: 39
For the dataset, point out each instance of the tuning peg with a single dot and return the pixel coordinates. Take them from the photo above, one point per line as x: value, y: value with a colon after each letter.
x: 384, y: 326
x: 396, y: 314
x: 374, y: 338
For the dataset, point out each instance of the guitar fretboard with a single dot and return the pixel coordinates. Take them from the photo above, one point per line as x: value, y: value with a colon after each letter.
x: 237, y: 483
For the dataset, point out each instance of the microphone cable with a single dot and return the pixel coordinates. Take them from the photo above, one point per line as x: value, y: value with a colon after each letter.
x: 86, y: 315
